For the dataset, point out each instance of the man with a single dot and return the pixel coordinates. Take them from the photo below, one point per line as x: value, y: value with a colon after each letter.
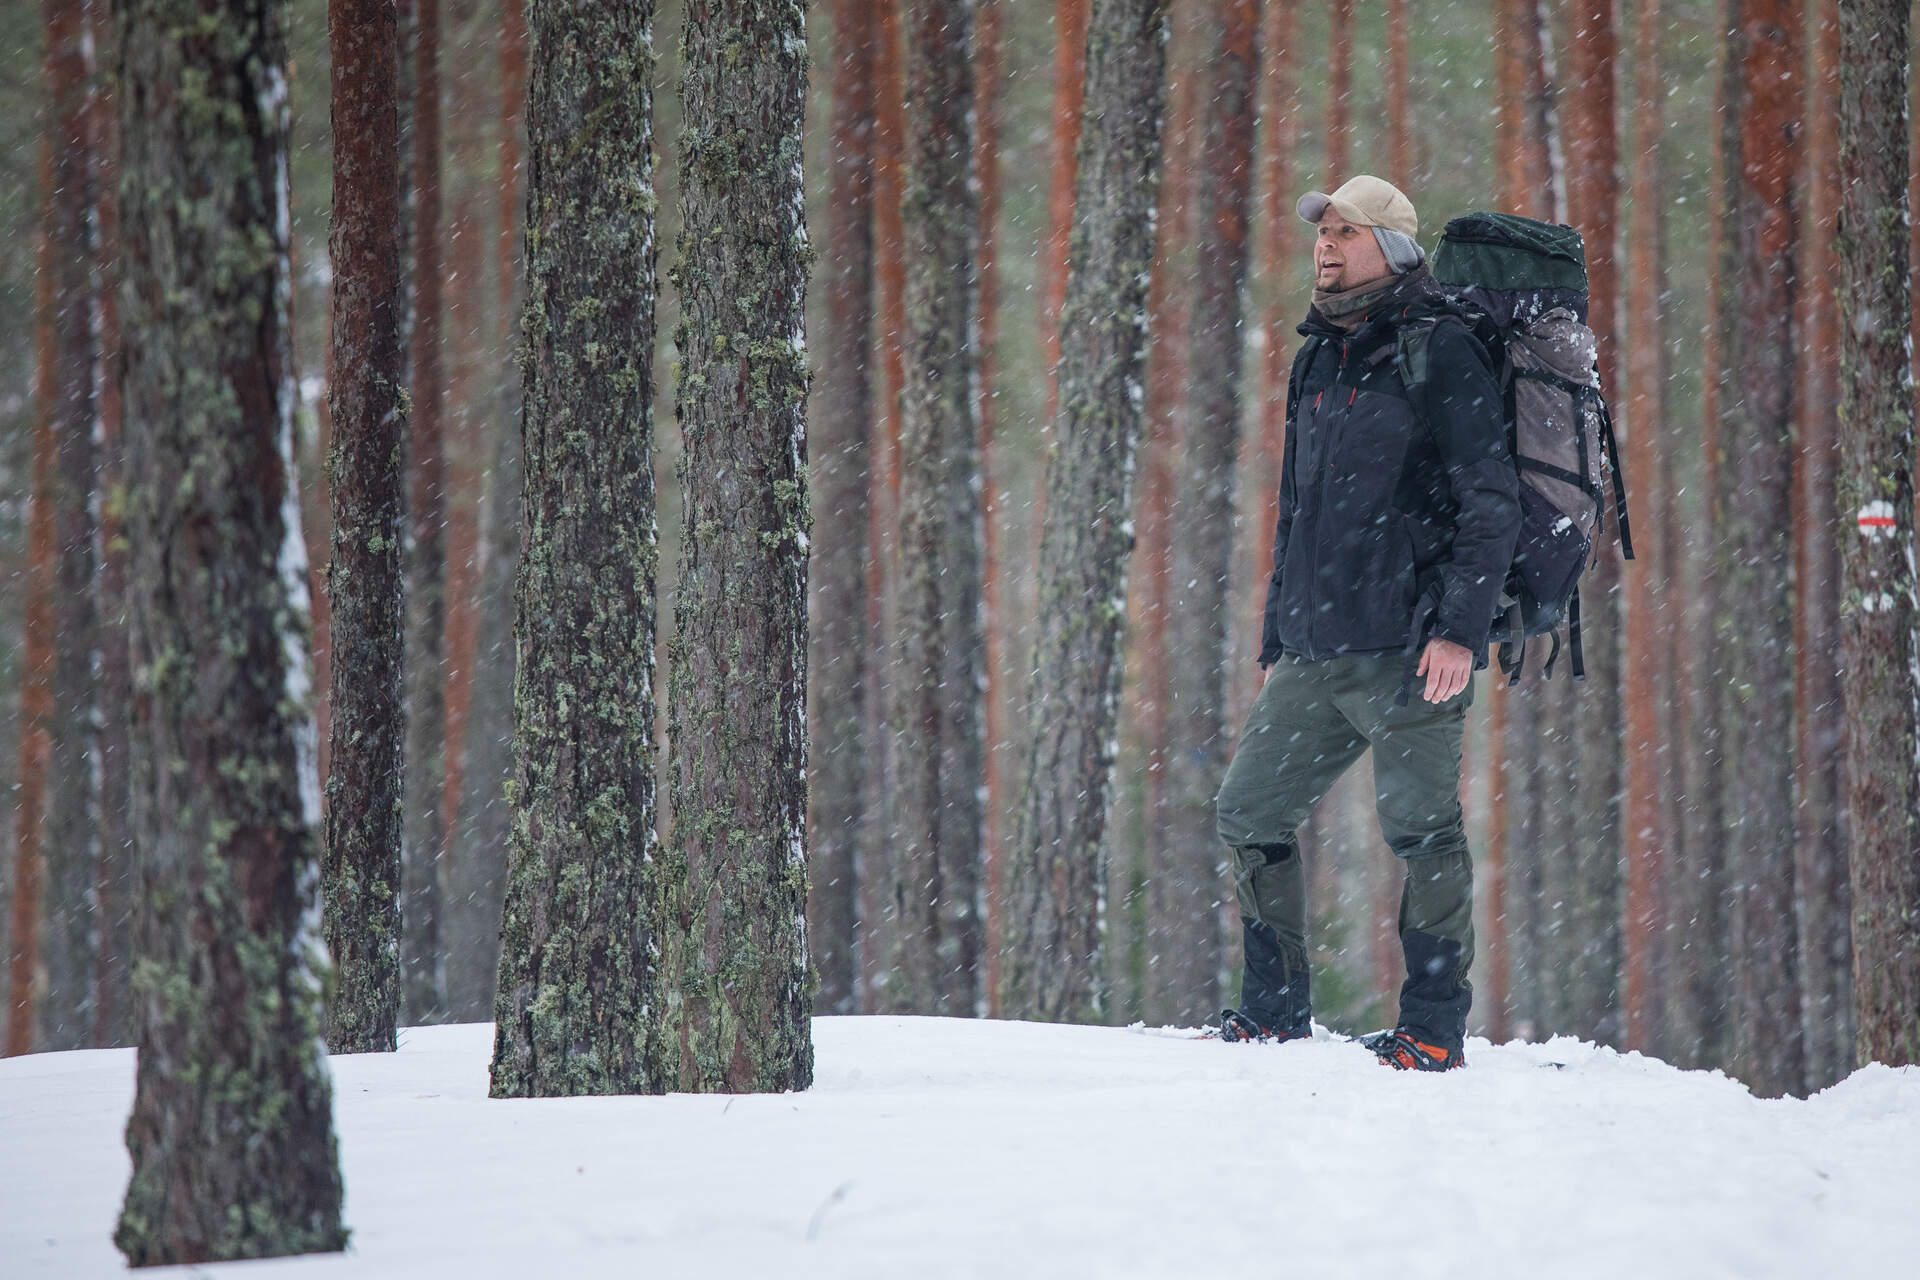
x: 1398, y: 517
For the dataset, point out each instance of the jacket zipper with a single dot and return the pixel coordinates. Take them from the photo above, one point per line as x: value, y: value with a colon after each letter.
x: 1320, y: 500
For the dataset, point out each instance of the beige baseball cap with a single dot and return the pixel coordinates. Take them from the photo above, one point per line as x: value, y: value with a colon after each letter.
x: 1365, y: 201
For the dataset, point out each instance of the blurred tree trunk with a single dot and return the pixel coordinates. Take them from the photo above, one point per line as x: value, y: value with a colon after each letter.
x: 1820, y: 859
x: 1399, y: 133
x: 231, y: 1135
x: 37, y: 659
x: 935, y: 936
x: 363, y: 822
x: 989, y: 90
x: 422, y: 960
x: 1338, y: 155
x: 71, y: 850
x: 486, y: 819
x: 1193, y: 882
x: 1697, y: 992
x: 1169, y: 304
x: 739, y: 665
x: 113, y: 880
x: 1754, y: 552
x: 842, y: 415
x: 872, y: 872
x: 1592, y: 971
x: 1876, y: 436
x: 584, y: 975
x: 1052, y: 963
x: 1647, y: 690
x: 468, y: 933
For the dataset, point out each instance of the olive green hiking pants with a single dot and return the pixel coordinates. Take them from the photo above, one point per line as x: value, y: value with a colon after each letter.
x: 1310, y: 723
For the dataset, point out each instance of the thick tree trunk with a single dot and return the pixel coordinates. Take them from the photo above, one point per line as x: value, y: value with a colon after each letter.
x: 1399, y: 132
x: 1820, y: 858
x: 739, y: 673
x: 1190, y: 887
x: 422, y: 959
x: 1754, y: 560
x: 841, y: 414
x: 1876, y: 497
x: 231, y: 1134
x: 583, y: 985
x: 1339, y: 146
x: 1051, y: 966
x: 934, y: 925
x: 68, y: 951
x: 363, y: 822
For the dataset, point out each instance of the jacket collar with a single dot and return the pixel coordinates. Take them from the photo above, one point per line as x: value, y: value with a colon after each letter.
x: 1416, y: 293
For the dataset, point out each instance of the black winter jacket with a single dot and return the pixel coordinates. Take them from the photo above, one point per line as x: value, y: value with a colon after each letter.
x: 1384, y: 500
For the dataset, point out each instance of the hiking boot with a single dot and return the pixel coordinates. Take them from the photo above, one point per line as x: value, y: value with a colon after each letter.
x: 1403, y: 1050
x: 1242, y: 1028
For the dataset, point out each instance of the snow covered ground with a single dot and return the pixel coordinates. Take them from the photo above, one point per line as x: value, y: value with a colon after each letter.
x: 934, y: 1147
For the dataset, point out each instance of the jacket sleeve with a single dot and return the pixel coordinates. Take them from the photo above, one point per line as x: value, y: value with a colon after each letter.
x: 1464, y: 410
x: 1270, y: 650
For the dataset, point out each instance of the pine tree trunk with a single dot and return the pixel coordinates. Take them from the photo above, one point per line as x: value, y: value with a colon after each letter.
x: 422, y: 959
x: 1755, y: 543
x: 739, y: 670
x: 231, y: 1134
x: 1820, y: 865
x: 1399, y: 132
x: 1157, y: 995
x: 71, y: 848
x: 37, y: 658
x: 1339, y: 146
x: 934, y: 926
x: 1642, y: 426
x: 580, y: 993
x: 486, y: 825
x: 1192, y: 886
x: 1051, y: 966
x: 1876, y: 439
x: 989, y: 94
x: 469, y: 957
x: 362, y: 869
x: 842, y: 414
x: 113, y: 880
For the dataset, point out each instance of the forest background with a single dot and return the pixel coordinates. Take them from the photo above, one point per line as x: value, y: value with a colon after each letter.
x: 1409, y: 91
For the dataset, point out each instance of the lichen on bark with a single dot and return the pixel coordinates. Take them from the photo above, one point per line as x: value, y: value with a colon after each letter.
x: 581, y: 977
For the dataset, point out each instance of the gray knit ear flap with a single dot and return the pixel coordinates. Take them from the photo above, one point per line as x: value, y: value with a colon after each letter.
x: 1403, y: 252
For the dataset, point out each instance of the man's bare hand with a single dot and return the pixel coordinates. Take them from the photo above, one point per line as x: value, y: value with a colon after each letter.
x: 1447, y: 667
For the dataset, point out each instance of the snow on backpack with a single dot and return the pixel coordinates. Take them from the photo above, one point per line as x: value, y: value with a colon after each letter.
x: 1521, y: 286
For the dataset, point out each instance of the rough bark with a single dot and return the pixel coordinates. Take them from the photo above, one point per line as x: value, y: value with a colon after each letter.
x: 1594, y: 906
x: 1192, y: 883
x: 367, y: 465
x: 422, y: 960
x: 1820, y: 854
x: 71, y: 852
x: 933, y: 919
x: 1051, y: 965
x: 989, y: 94
x: 1754, y: 546
x: 1876, y: 478
x: 581, y: 985
x: 739, y: 671
x: 231, y: 1134
x: 841, y: 417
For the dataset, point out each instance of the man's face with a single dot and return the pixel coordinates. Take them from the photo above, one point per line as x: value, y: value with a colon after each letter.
x: 1345, y: 255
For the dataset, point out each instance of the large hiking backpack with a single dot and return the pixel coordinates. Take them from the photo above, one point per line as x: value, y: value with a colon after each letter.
x: 1521, y: 286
